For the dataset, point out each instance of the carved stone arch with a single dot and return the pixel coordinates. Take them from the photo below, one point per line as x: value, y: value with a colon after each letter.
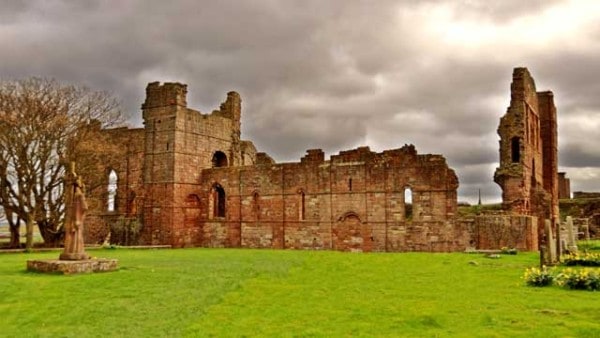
x: 347, y: 214
x: 192, y: 201
x: 350, y: 233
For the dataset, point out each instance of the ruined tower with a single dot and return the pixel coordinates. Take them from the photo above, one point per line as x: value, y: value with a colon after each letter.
x: 179, y: 143
x: 528, y: 152
x: 160, y: 110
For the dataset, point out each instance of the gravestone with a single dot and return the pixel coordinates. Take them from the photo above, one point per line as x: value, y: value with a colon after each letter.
x: 571, y: 239
x: 550, y: 244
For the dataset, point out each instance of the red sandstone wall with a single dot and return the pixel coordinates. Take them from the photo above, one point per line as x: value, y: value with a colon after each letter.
x: 353, y: 202
x: 529, y: 185
x: 127, y: 161
x: 264, y: 203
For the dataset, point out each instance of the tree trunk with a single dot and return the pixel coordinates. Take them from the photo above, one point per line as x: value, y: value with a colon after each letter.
x: 15, y: 236
x: 52, y: 237
x: 29, y: 236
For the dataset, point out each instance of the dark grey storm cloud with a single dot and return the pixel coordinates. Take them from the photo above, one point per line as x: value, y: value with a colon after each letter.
x: 336, y: 74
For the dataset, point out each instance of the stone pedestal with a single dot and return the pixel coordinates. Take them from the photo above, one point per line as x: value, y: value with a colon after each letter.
x: 73, y: 256
x: 68, y: 267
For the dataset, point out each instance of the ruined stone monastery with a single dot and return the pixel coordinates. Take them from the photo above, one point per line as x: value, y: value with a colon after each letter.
x: 188, y: 179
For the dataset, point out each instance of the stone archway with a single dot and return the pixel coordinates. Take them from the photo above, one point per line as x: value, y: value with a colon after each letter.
x: 351, y: 234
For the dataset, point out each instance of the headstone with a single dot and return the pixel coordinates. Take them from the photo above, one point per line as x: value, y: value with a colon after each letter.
x: 551, y: 244
x: 571, y: 240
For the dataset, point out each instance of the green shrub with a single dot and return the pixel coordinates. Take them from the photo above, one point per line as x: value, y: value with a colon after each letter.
x: 508, y: 251
x: 538, y: 277
x: 580, y: 279
x: 581, y: 259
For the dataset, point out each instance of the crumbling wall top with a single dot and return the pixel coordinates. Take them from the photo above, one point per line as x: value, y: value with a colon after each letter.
x: 314, y: 156
x: 522, y: 87
x: 167, y: 94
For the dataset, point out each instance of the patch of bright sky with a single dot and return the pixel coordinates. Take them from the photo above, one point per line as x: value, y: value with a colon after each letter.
x: 565, y: 23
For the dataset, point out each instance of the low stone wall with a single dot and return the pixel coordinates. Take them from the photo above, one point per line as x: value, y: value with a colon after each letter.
x: 72, y: 267
x: 502, y: 230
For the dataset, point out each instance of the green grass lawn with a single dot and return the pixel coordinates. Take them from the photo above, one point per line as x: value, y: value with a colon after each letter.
x: 231, y: 292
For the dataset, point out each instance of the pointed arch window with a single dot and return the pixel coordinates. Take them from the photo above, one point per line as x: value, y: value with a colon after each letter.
x: 219, y: 201
x: 113, y: 180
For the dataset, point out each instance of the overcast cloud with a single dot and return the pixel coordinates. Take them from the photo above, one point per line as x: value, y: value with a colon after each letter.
x: 334, y: 74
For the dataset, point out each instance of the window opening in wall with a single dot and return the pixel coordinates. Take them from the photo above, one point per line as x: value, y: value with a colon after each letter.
x: 302, y: 208
x: 219, y: 159
x: 167, y: 146
x: 515, y: 146
x: 219, y: 201
x: 408, y: 203
x: 112, y: 190
x: 350, y: 184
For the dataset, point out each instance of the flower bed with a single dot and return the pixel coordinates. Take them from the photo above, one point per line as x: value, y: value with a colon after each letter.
x: 581, y: 259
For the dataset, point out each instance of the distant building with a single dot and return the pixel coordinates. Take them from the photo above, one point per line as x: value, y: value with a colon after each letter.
x: 564, y: 186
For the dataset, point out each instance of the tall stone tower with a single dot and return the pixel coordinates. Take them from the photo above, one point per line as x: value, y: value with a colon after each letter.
x: 179, y: 143
x: 160, y: 110
x: 528, y: 152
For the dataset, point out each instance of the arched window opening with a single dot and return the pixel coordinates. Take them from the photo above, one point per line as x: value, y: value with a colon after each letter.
x: 112, y: 190
x: 256, y: 205
x: 408, y: 203
x: 219, y: 159
x: 192, y: 201
x: 515, y: 146
x: 302, y: 206
x: 219, y: 201
x: 350, y: 184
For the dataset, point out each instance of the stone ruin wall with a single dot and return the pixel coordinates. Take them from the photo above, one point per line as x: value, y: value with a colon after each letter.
x: 564, y: 186
x: 127, y: 162
x: 528, y: 171
x: 352, y: 202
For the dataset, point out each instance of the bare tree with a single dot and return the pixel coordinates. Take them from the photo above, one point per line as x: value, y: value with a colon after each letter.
x: 43, y: 126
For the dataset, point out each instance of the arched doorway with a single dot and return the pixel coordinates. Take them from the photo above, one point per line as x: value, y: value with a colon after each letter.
x: 351, y: 234
x: 219, y: 201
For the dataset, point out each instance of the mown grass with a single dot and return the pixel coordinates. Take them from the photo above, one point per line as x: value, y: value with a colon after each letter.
x: 591, y: 245
x: 229, y: 292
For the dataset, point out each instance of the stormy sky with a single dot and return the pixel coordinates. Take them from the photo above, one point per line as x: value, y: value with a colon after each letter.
x: 334, y: 74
